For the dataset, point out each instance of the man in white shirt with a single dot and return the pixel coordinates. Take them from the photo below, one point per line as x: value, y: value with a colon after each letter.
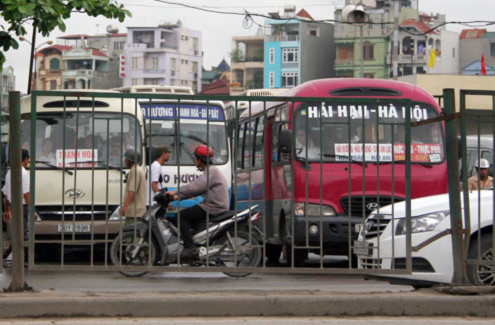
x: 311, y: 152
x: 155, y: 178
x: 26, y: 198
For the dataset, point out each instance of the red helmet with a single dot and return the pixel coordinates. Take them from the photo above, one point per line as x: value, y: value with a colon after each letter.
x: 204, y: 152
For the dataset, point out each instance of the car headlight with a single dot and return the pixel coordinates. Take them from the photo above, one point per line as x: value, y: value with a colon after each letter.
x: 423, y: 223
x: 116, y: 216
x: 314, y: 210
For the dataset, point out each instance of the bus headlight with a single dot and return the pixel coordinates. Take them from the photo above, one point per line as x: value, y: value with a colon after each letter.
x: 314, y: 210
x: 115, y: 216
x: 423, y: 223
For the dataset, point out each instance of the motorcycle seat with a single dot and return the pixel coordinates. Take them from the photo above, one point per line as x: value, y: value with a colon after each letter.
x: 223, y: 216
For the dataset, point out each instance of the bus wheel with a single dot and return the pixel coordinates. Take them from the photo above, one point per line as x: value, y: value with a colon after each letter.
x: 273, y: 254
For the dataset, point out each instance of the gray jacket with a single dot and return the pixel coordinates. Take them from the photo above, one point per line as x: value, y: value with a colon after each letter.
x: 218, y: 192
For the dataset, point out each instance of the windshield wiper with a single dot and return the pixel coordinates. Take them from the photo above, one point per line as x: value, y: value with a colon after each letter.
x: 104, y: 164
x: 402, y: 161
x: 354, y: 161
x: 53, y: 166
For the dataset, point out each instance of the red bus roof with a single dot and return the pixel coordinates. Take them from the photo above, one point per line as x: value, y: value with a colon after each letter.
x: 323, y: 87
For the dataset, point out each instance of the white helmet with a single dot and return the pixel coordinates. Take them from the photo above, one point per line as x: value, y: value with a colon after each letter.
x: 483, y: 163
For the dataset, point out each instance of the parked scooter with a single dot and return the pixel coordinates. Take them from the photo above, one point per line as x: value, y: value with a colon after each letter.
x: 154, y: 241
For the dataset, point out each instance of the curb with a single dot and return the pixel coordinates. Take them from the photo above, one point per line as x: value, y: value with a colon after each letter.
x: 252, y: 303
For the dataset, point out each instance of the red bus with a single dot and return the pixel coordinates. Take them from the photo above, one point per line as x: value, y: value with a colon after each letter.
x: 318, y: 168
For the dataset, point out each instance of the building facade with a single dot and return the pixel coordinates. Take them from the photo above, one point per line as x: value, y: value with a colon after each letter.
x: 297, y: 49
x: 376, y: 40
x: 169, y: 54
x: 472, y: 44
x: 247, y: 64
x: 7, y: 83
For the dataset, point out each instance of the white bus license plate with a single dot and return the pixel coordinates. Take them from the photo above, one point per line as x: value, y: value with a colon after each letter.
x: 68, y: 227
x: 363, y: 248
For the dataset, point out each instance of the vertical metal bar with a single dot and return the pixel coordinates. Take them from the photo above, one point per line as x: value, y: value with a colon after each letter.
x: 17, y: 283
x: 32, y: 176
x: 454, y: 196
x: 64, y: 144
x: 93, y: 183
x: 408, y: 188
x: 464, y: 169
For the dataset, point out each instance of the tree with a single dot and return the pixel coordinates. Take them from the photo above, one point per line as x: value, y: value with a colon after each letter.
x: 235, y: 55
x: 46, y: 15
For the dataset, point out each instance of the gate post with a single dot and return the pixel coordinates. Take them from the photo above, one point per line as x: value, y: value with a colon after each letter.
x: 17, y: 221
x: 454, y: 191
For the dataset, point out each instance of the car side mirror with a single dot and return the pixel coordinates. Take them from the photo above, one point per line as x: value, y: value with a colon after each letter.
x: 285, y: 141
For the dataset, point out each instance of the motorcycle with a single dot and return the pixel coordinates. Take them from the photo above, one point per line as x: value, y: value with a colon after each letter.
x: 154, y: 241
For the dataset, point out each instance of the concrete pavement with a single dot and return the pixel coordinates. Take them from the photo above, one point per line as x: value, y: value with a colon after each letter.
x: 109, y: 294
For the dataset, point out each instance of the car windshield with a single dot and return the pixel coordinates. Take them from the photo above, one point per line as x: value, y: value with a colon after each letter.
x: 377, y: 130
x: 82, y: 140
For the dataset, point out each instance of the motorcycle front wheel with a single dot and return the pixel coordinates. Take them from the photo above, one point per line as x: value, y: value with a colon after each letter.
x: 240, y: 251
x: 134, y: 251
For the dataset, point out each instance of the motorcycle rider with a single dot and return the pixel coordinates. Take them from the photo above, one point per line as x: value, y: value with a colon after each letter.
x: 216, y: 203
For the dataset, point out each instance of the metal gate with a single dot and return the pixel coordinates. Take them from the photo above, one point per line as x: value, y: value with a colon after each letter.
x: 369, y: 148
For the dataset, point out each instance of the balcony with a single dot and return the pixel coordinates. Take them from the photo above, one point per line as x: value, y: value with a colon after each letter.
x: 49, y: 72
x: 153, y: 71
x: 345, y: 61
x: 282, y: 38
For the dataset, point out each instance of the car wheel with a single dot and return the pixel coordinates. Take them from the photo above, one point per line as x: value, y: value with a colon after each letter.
x: 479, y: 274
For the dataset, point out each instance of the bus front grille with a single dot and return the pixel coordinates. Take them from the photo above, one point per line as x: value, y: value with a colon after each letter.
x: 76, y: 213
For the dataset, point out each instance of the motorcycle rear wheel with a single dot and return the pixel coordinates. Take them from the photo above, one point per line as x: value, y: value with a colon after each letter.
x: 147, y: 251
x: 249, y: 252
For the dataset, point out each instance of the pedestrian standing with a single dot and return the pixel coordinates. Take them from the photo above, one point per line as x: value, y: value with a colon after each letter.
x: 155, y: 178
x: 26, y: 199
x: 135, y: 192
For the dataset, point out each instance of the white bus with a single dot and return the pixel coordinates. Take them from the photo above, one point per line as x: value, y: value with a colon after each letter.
x: 80, y: 173
x: 182, y: 125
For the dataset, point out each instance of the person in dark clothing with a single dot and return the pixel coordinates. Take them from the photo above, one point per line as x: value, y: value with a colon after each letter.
x: 213, y: 182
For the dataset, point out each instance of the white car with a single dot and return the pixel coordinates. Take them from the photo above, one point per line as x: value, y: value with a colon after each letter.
x: 432, y: 260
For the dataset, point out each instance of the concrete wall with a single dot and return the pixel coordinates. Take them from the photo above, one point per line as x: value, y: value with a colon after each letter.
x: 317, y: 53
x: 435, y: 83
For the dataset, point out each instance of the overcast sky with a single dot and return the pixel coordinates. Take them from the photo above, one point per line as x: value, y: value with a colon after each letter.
x: 218, y: 29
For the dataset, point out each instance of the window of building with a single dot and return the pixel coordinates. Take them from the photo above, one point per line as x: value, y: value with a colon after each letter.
x: 492, y: 49
x: 313, y: 30
x: 368, y: 51
x: 154, y: 63
x: 272, y: 80
x: 195, y: 67
x: 172, y: 82
x: 272, y: 56
x: 134, y: 63
x: 173, y: 63
x: 53, y: 84
x: 134, y: 81
x: 346, y: 52
x: 290, y: 55
x: 118, y: 45
x: 453, y: 52
x: 195, y: 43
x: 289, y: 79
x: 369, y: 75
x: 54, y: 64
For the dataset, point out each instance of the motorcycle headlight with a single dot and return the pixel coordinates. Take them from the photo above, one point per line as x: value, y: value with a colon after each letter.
x: 116, y: 215
x: 423, y: 223
x: 314, y: 210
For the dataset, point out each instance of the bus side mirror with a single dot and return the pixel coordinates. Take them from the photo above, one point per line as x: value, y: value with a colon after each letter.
x: 285, y: 141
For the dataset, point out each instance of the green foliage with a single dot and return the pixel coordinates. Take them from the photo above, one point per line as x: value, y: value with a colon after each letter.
x: 235, y: 55
x: 47, y: 15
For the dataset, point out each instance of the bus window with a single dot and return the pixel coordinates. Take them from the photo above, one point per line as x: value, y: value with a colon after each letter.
x: 370, y: 126
x: 258, y: 142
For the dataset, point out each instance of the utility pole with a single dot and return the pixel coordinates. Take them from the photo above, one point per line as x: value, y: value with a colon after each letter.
x: 395, y: 45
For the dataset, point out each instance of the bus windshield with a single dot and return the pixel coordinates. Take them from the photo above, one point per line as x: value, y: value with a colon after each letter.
x: 191, y: 135
x: 90, y: 140
x: 184, y: 126
x: 377, y: 130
